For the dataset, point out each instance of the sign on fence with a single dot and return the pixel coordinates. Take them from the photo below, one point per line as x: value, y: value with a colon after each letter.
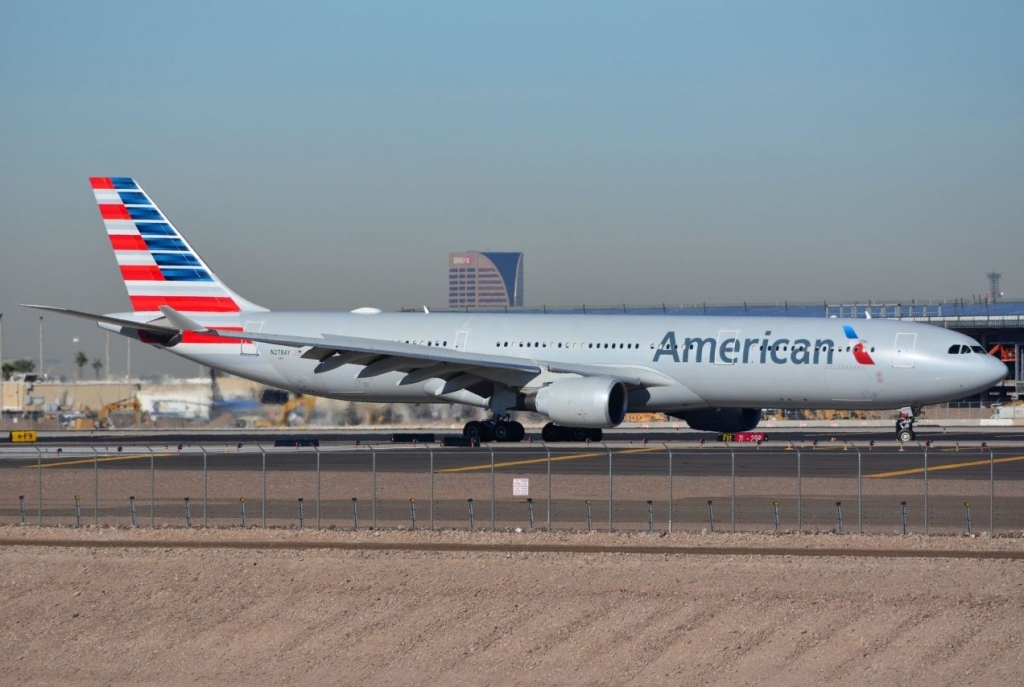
x: 24, y: 436
x: 520, y: 486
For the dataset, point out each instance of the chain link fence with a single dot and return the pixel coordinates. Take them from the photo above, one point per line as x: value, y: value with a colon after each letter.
x: 920, y: 489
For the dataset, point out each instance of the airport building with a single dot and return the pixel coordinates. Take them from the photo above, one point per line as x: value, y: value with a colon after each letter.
x: 485, y: 280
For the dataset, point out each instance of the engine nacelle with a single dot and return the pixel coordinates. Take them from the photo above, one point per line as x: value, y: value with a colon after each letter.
x: 721, y: 419
x: 586, y: 402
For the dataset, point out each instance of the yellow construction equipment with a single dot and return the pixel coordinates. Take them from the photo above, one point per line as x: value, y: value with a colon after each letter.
x: 100, y: 419
x: 306, y: 403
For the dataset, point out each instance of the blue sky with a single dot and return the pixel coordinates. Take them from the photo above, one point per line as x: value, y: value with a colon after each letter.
x: 329, y: 155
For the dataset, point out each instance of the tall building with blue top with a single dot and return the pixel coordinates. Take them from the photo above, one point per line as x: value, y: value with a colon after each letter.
x: 485, y: 280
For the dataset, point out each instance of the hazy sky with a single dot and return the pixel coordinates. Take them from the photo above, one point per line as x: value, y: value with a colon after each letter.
x: 330, y: 155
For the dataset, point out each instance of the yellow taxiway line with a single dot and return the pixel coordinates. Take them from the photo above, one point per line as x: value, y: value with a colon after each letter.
x: 535, y: 461
x: 948, y: 466
x: 90, y: 461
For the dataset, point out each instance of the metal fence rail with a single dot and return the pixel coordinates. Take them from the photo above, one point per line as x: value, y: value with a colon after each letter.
x: 726, y: 488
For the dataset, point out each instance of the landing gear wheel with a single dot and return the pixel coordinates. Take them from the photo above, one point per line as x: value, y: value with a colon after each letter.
x: 905, y: 436
x: 472, y: 430
x: 502, y: 431
x: 518, y: 432
x: 595, y: 434
x: 486, y: 432
x: 550, y: 432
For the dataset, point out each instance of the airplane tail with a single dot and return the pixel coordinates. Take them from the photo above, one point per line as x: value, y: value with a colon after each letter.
x: 158, y: 265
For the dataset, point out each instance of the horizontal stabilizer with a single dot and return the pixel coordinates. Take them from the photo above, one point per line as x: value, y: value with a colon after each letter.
x: 131, y: 324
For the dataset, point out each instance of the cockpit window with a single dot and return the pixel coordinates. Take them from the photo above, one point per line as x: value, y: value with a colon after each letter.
x: 954, y: 349
x: 978, y: 349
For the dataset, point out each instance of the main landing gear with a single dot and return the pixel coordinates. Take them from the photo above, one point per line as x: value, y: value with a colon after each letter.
x: 553, y: 432
x: 499, y: 429
x: 905, y: 426
x: 502, y: 429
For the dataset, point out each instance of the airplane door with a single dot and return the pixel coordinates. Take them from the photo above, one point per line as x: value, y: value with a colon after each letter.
x: 460, y: 340
x: 903, y: 353
x: 250, y: 347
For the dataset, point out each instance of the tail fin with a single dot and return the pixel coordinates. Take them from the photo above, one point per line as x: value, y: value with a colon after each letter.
x: 157, y: 264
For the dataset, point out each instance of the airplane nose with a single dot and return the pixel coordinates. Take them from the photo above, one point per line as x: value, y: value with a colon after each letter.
x: 994, y: 370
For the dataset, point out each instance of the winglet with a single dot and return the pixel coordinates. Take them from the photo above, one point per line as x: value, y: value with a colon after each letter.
x: 185, y: 324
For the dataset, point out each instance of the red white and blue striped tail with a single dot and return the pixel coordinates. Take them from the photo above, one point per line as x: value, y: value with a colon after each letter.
x: 158, y: 265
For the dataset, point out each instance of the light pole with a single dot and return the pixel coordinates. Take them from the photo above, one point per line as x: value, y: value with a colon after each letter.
x: 40, y: 348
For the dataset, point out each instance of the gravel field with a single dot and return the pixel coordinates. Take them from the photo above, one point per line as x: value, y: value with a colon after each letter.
x: 170, y: 614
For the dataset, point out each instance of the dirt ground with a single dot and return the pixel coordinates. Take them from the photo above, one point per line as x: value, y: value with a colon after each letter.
x: 174, y: 615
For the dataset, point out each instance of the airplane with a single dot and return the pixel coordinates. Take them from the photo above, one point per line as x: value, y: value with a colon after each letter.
x: 583, y: 372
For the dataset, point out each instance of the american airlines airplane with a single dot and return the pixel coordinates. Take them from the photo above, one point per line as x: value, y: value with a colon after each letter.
x: 583, y: 372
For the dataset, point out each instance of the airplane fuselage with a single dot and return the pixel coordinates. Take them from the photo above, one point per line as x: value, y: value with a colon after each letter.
x: 696, y: 361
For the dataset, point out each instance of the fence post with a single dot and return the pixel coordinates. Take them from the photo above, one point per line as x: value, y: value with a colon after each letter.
x: 650, y: 517
x: 39, y: 458
x: 548, y: 449
x: 711, y: 514
x: 671, y: 501
x: 489, y: 448
x: 241, y: 502
x: 78, y: 511
x: 412, y: 509
x: 373, y: 505
x: 991, y: 493
x: 925, y: 490
x: 590, y: 522
x: 776, y: 505
x: 318, y: 488
x: 799, y: 496
x: 839, y: 515
x: 300, y: 513
x: 529, y: 507
x: 131, y: 503
x: 732, y: 503
x: 860, y: 494
x: 96, y: 487
x: 263, y: 451
x: 472, y: 518
x: 903, y: 505
x: 967, y: 509
x: 355, y: 514
x: 431, y: 487
x: 205, y: 487
x: 610, y: 501
x: 152, y: 488
x: 188, y: 513
x: 21, y: 506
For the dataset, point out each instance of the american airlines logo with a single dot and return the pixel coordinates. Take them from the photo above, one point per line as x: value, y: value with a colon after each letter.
x: 731, y: 350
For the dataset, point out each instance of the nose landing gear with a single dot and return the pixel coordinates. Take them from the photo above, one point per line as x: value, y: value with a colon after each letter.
x: 905, y: 426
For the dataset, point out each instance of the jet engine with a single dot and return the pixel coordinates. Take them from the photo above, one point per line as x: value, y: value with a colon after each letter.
x: 586, y: 402
x: 721, y: 419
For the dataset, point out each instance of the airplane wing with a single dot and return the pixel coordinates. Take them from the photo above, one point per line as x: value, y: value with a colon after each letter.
x: 387, y: 356
x: 380, y: 356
